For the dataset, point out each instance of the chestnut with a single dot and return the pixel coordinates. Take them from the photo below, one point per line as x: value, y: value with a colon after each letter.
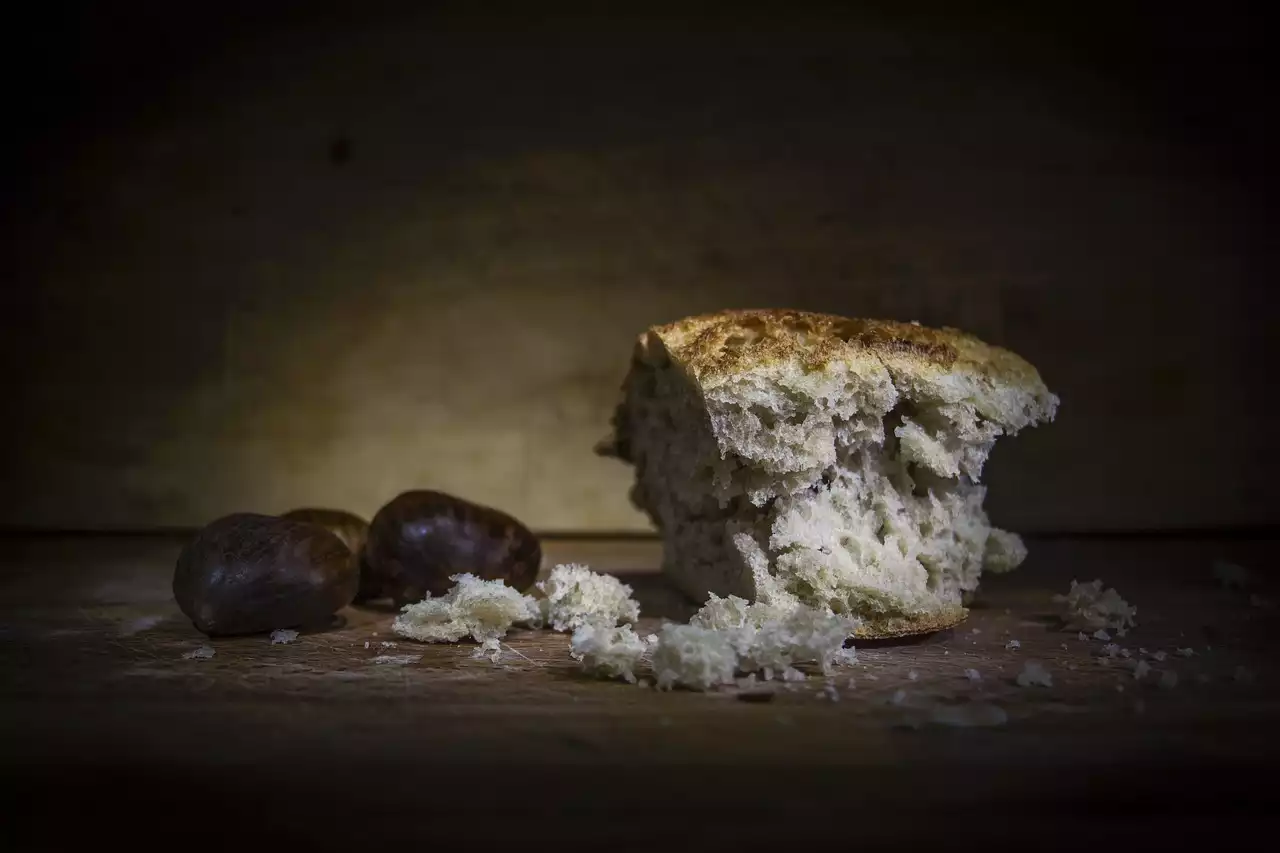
x: 246, y: 573
x: 421, y: 538
x: 351, y: 529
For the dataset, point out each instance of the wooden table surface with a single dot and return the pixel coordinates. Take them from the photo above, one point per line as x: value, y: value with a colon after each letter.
x: 318, y: 737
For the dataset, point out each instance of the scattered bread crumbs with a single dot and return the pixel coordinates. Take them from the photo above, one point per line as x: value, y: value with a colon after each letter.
x: 1013, y: 645
x: 1034, y: 674
x: 202, y: 653
x: 283, y: 636
x: 1088, y: 605
x: 574, y: 596
x: 483, y: 609
x: 607, y: 651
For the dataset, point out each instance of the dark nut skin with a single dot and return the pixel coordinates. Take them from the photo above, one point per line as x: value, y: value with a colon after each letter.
x: 421, y: 538
x: 248, y: 574
x: 351, y: 529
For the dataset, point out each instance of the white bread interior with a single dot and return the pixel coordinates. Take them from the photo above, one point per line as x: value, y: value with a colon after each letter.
x: 789, y: 457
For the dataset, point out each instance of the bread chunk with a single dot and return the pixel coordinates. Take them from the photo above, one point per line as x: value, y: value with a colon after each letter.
x: 798, y: 458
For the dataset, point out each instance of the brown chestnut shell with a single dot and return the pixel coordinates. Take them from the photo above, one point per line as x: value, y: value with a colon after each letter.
x: 421, y: 538
x: 351, y: 529
x: 246, y: 573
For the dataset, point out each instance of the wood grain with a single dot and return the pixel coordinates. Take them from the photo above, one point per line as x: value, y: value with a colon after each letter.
x: 95, y: 677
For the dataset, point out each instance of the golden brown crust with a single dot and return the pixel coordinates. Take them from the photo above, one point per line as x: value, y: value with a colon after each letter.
x: 712, y: 347
x: 884, y: 628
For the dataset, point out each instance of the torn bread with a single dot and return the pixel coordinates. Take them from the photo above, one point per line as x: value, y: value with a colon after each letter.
x: 790, y: 457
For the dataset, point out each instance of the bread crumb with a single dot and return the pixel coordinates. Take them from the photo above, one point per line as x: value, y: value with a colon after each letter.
x: 1087, y: 605
x: 202, y: 653
x: 899, y: 696
x: 574, y: 595
x: 366, y: 644
x: 608, y: 652
x: 1159, y: 656
x: 1101, y: 634
x: 643, y: 682
x: 482, y: 609
x: 694, y: 657
x: 772, y: 639
x: 851, y: 685
x: 872, y: 677
x: 396, y: 660
x: 973, y: 675
x: 1013, y: 645
x: 1110, y: 650
x: 1141, y: 669
x: 283, y: 635
x: 1064, y: 646
x: 976, y: 631
x: 793, y: 675
x: 1034, y: 674
x: 1168, y: 679
x: 912, y: 675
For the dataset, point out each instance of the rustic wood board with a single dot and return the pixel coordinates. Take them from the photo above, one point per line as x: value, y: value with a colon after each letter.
x: 95, y: 671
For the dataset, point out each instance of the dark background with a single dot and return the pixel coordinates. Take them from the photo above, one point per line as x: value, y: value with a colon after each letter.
x: 261, y: 255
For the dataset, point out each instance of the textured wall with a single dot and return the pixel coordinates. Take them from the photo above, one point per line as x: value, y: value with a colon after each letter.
x: 339, y: 261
